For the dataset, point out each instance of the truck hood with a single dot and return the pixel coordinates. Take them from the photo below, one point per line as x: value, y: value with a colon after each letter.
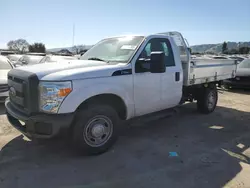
x: 71, y: 70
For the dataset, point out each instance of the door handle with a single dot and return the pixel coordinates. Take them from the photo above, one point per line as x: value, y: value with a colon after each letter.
x: 177, y: 76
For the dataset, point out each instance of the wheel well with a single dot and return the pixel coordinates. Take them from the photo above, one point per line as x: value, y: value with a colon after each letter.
x: 113, y: 100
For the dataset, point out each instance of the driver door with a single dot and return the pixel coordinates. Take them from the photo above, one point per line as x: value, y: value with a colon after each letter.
x: 147, y: 85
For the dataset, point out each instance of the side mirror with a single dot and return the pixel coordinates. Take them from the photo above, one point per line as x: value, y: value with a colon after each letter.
x: 157, y: 62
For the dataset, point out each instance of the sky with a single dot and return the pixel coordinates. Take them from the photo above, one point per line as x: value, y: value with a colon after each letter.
x: 51, y: 21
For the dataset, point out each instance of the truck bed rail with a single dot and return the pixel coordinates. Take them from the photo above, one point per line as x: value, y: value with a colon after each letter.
x: 210, y: 70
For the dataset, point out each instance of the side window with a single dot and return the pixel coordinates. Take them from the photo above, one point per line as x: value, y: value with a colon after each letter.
x: 148, y: 49
x: 165, y: 48
x: 169, y: 56
x: 154, y: 45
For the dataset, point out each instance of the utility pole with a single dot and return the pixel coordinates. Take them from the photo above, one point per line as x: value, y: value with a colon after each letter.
x: 73, y: 36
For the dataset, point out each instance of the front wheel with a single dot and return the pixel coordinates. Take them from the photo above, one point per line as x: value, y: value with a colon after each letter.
x: 207, y: 100
x: 95, y: 129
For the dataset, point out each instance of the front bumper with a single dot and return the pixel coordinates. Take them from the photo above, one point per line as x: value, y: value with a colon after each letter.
x: 237, y: 83
x: 38, y: 126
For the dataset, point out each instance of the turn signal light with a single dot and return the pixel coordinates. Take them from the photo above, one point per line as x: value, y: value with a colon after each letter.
x: 64, y: 92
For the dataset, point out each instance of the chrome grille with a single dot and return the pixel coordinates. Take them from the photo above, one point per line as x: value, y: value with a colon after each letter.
x: 16, y: 92
x: 23, y: 92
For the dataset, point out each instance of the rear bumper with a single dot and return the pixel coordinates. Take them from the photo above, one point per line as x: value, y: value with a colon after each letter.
x: 234, y: 83
x: 40, y: 125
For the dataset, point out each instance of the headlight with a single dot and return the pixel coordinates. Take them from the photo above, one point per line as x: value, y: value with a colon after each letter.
x: 52, y: 95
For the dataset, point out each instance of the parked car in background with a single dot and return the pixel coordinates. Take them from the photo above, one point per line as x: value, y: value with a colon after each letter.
x: 56, y: 58
x: 5, y: 67
x: 35, y: 53
x: 6, y: 52
x: 28, y: 60
x: 242, y: 79
x: 238, y: 58
x: 219, y: 57
x: 14, y: 58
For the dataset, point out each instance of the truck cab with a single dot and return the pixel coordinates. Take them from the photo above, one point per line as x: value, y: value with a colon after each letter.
x: 117, y: 79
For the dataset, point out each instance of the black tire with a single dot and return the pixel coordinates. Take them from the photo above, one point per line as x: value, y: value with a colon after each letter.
x: 205, y: 103
x: 82, y: 132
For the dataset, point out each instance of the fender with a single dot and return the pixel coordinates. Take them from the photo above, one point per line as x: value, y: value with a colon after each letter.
x: 121, y: 86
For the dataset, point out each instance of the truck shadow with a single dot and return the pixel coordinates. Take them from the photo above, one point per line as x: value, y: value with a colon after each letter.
x: 211, y: 150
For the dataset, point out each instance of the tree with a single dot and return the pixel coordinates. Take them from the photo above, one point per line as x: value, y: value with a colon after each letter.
x: 37, y: 47
x: 19, y: 45
x: 244, y: 50
x: 83, y: 51
x: 233, y: 51
x: 224, y: 48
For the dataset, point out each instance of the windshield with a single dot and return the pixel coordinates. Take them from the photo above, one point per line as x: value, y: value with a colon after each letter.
x: 4, y: 64
x: 118, y: 49
x: 245, y: 64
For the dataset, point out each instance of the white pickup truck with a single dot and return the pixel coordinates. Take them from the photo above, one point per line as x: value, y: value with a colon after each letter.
x: 117, y: 79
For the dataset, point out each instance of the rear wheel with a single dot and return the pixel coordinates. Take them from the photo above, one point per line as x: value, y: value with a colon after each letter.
x: 207, y: 100
x: 95, y: 129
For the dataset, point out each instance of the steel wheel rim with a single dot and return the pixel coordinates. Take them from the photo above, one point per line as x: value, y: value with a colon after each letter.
x: 211, y: 100
x: 98, y: 131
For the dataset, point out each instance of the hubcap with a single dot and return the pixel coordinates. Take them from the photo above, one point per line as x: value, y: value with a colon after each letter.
x: 98, y: 131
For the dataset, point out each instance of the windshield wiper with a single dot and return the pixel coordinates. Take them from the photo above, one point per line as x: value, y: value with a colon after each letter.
x: 96, y: 59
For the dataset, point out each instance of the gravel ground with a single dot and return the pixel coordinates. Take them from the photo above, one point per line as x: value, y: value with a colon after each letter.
x: 213, y: 151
